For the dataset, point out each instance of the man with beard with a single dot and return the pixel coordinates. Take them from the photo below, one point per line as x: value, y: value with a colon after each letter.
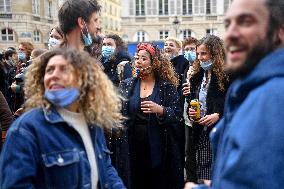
x: 79, y: 21
x: 247, y: 141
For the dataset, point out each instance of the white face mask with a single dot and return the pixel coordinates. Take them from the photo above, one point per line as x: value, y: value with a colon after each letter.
x: 52, y: 42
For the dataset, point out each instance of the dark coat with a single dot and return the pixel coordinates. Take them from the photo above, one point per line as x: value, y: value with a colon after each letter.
x: 110, y: 67
x: 215, y: 97
x: 180, y: 64
x: 200, y: 138
x: 6, y: 117
x: 168, y: 129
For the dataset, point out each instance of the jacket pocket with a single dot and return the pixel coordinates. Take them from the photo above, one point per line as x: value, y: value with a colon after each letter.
x: 62, y: 169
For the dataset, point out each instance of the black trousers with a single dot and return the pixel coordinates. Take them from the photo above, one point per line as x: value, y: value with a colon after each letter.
x: 190, y: 160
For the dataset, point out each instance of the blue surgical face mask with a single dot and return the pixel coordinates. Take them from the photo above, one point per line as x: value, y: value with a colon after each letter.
x: 107, y: 51
x: 22, y: 56
x: 88, y: 40
x: 62, y: 97
x: 52, y: 42
x: 190, y: 56
x: 207, y: 65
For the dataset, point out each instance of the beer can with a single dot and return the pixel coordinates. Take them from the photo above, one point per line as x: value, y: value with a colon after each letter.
x: 194, y: 104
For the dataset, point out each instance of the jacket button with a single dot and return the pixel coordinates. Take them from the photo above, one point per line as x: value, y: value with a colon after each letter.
x: 60, y: 160
x: 106, y: 185
x: 100, y: 156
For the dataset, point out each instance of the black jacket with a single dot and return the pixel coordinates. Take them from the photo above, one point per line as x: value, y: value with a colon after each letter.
x: 180, y: 64
x: 110, y: 67
x: 172, y: 158
x: 215, y: 97
x: 6, y: 116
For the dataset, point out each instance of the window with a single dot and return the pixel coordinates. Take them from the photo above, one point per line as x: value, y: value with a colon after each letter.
x: 187, y: 7
x: 208, y: 6
x: 151, y: 7
x: 212, y: 31
x: 140, y: 7
x: 37, y: 36
x: 35, y: 5
x: 164, y: 34
x: 163, y: 7
x: 5, y: 5
x: 199, y: 6
x: 227, y: 4
x: 141, y: 36
x: 211, y: 6
x: 48, y: 8
x: 131, y: 7
x: 205, y: 6
x: 186, y: 34
x: 7, y: 34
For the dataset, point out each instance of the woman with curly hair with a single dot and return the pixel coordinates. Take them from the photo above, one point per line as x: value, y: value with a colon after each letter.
x: 149, y: 153
x: 208, y: 86
x: 59, y: 142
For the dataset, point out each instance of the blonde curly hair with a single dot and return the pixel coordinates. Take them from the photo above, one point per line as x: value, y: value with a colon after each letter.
x: 99, y: 100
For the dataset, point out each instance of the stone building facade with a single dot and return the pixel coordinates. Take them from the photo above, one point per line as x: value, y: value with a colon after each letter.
x: 111, y: 16
x: 32, y: 20
x: 154, y: 20
x: 27, y: 20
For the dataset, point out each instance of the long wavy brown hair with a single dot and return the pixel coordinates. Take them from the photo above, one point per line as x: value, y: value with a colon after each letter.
x: 162, y: 67
x: 99, y: 100
x: 216, y: 49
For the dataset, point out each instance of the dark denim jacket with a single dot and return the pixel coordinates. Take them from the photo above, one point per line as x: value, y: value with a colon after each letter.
x: 44, y: 151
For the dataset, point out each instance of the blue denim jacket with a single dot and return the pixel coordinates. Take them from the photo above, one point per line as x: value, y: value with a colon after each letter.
x: 44, y: 151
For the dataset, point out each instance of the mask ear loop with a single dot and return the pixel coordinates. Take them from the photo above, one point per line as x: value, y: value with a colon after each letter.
x: 86, y: 28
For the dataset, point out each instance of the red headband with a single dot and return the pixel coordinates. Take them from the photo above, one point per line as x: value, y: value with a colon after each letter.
x: 148, y: 47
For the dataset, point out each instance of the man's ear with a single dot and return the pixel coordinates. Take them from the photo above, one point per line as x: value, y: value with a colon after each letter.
x: 80, y: 23
x: 281, y: 34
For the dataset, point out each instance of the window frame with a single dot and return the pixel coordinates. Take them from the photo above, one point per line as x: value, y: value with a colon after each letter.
x: 36, y: 7
x: 6, y: 6
x: 8, y: 35
x: 140, y: 7
x: 163, y: 7
x: 37, y: 36
x: 163, y: 34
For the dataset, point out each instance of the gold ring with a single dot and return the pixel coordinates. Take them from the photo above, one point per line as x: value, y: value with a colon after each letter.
x: 148, y: 105
x: 149, y: 109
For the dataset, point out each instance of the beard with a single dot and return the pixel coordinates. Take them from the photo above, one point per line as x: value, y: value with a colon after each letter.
x: 258, y: 52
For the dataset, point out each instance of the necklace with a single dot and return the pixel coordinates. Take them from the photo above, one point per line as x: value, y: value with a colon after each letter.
x: 147, y: 86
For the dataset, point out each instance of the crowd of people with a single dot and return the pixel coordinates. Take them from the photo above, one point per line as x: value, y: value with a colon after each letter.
x: 198, y: 113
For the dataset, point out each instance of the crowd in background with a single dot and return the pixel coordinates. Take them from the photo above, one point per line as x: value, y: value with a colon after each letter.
x: 85, y: 114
